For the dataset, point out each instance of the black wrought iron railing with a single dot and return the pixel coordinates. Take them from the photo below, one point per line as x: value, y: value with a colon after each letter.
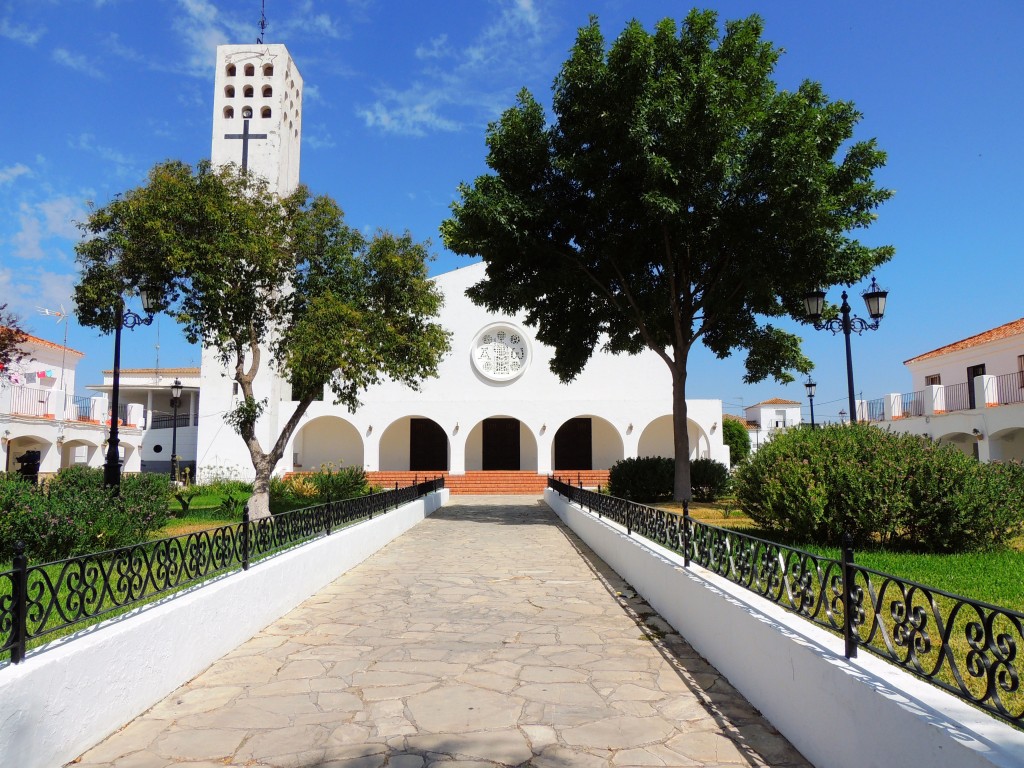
x: 956, y: 397
x: 168, y: 420
x: 1010, y: 388
x: 912, y: 404
x: 79, y: 407
x: 967, y: 647
x: 38, y: 602
x: 875, y: 409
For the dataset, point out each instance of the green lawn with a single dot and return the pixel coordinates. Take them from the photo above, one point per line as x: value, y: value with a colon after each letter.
x: 991, y: 577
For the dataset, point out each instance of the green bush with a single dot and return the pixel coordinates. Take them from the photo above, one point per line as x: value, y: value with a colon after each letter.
x: 897, y: 490
x: 73, y: 514
x: 709, y: 479
x: 644, y: 479
x: 735, y: 435
x: 338, y: 484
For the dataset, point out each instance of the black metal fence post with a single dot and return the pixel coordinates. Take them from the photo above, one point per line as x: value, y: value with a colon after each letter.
x: 19, y: 604
x: 686, y: 534
x: 245, y: 539
x: 849, y: 630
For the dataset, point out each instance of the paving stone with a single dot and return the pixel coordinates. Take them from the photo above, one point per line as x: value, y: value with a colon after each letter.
x: 487, y: 636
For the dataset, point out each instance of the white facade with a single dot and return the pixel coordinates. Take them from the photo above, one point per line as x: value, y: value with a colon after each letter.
x: 39, y: 411
x: 763, y: 419
x: 150, y: 390
x: 969, y: 394
x: 624, y: 403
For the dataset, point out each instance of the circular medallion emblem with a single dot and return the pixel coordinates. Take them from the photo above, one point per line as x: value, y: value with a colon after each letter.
x: 500, y: 352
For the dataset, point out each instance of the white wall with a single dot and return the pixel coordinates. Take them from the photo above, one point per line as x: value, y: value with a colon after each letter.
x: 999, y: 357
x: 840, y: 713
x: 71, y: 694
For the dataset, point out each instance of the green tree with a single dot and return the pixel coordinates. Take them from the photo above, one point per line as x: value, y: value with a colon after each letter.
x: 677, y: 197
x: 11, y: 337
x: 735, y: 435
x: 272, y: 284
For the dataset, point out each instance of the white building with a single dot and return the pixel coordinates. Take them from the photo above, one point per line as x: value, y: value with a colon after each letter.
x: 969, y: 393
x: 150, y: 390
x: 495, y: 405
x: 40, y: 412
x: 769, y: 416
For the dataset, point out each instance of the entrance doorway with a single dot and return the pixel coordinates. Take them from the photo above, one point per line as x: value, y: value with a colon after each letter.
x: 972, y: 371
x: 501, y: 444
x: 574, y: 445
x: 428, y: 446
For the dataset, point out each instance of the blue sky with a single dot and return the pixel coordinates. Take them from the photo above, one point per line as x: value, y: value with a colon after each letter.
x: 397, y: 99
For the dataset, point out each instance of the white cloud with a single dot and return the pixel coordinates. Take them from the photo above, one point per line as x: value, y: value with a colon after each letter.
x: 10, y: 173
x: 479, y: 79
x: 44, y: 222
x: 76, y: 62
x: 124, y: 165
x: 318, y: 138
x: 20, y: 33
x: 24, y: 291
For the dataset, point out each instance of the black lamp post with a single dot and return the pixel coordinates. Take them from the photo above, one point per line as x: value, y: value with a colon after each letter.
x: 811, y: 387
x: 127, y: 319
x: 874, y: 298
x: 175, y: 403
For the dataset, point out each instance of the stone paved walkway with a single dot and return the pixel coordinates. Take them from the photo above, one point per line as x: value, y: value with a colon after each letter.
x: 488, y: 635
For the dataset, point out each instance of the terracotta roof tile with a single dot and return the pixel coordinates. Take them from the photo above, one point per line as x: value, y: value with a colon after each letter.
x: 29, y: 338
x: 1002, y: 332
x: 777, y: 401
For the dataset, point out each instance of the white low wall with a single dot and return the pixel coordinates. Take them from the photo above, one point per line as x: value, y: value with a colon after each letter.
x: 839, y: 712
x: 71, y: 694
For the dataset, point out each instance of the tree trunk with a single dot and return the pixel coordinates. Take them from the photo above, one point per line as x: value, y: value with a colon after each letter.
x: 682, y: 490
x: 259, y: 502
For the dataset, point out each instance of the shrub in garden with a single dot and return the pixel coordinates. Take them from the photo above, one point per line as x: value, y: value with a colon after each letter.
x: 73, y: 514
x: 645, y: 479
x: 901, y: 491
x: 709, y: 479
x: 338, y: 484
x: 735, y: 435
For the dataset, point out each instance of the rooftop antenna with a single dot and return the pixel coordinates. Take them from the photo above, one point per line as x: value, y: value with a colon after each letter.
x: 62, y: 317
x: 263, y: 21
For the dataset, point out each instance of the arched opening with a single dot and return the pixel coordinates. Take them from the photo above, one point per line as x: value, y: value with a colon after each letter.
x: 268, y: 91
x: 246, y: 112
x: 229, y: 112
x: 250, y: 70
x: 247, y: 92
x: 327, y: 440
x: 265, y: 112
x: 414, y: 444
x: 964, y: 442
x: 501, y: 443
x: 22, y: 444
x: 586, y: 442
x: 229, y: 91
x: 231, y: 70
x: 268, y: 70
x: 657, y: 439
x: 79, y: 453
x: 1007, y: 445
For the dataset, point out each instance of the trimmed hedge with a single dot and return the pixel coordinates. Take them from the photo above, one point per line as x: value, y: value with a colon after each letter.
x: 709, y: 479
x: 896, y: 490
x: 645, y: 480
x: 73, y: 514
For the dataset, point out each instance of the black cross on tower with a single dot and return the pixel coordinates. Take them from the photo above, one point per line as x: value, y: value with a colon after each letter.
x: 245, y: 136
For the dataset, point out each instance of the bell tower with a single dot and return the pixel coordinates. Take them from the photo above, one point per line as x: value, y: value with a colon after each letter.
x: 257, y: 113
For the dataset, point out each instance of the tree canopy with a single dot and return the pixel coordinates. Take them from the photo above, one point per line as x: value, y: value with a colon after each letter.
x: 735, y: 435
x: 11, y: 337
x: 271, y: 284
x: 677, y: 197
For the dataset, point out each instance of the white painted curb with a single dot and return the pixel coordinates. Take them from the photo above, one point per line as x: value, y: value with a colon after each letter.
x: 71, y: 694
x: 840, y: 713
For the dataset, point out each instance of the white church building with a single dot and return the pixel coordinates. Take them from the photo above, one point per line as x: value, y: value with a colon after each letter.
x: 495, y: 406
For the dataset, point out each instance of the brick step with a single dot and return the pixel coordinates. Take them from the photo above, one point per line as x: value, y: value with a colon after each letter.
x: 488, y: 483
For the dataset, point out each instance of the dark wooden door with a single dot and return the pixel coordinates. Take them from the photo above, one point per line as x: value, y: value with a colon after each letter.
x: 974, y: 370
x: 428, y: 446
x: 501, y: 444
x: 574, y: 445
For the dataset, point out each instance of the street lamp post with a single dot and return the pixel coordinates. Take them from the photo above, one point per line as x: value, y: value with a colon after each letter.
x: 125, y: 319
x: 175, y: 403
x: 874, y: 298
x: 811, y: 386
